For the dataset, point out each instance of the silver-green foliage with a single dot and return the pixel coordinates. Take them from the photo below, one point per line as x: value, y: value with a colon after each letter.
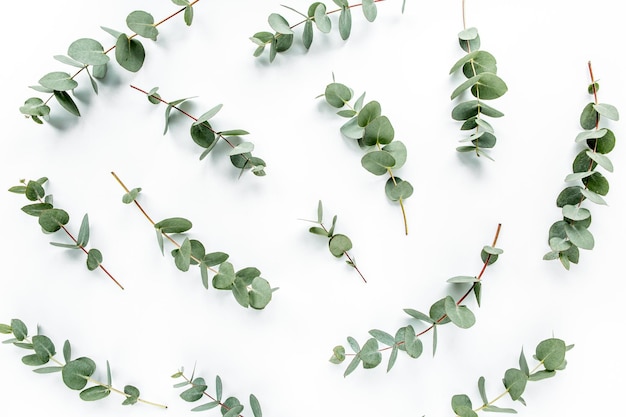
x: 246, y: 285
x: 571, y: 233
x: 75, y: 373
x: 550, y: 355
x: 198, y: 389
x: 203, y: 134
x: 375, y: 134
x: 338, y: 244
x: 90, y: 56
x: 317, y: 16
x: 407, y: 338
x: 479, y: 67
x: 53, y: 219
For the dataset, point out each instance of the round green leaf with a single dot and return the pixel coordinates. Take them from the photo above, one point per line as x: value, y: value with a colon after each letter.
x: 368, y: 113
x: 129, y: 53
x: 94, y: 259
x: 279, y: 24
x: 203, y: 135
x: 515, y: 382
x: 575, y: 213
x: 579, y: 236
x: 378, y: 162
x: 397, y: 149
x: 459, y: 315
x: 225, y: 278
x: 338, y: 244
x: 142, y: 23
x: 345, y: 23
x: 604, y: 144
x: 44, y: 348
x: 398, y: 190
x: 482, y: 61
x: 58, y: 81
x: 582, y: 162
x: 260, y: 293
x: 597, y: 183
x: 53, y: 219
x: 489, y: 87
x: 95, y: 393
x: 35, y: 106
x: 88, y: 52
x: 378, y: 131
x: 588, y: 117
x: 552, y: 353
x: 337, y: 95
x: 570, y: 196
x: 173, y: 225
x: 370, y: 355
x: 77, y: 372
x: 322, y: 21
x: 19, y: 329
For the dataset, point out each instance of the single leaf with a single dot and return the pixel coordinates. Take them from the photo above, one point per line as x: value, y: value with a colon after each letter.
x: 83, y: 233
x: 142, y: 23
x: 279, y: 24
x: 95, y: 393
x: 94, y: 259
x: 77, y: 372
x: 173, y: 225
x: 66, y: 101
x: 129, y: 53
x: 58, y: 81
x: 88, y: 52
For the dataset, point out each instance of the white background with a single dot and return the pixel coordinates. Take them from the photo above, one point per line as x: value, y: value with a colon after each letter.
x: 165, y: 319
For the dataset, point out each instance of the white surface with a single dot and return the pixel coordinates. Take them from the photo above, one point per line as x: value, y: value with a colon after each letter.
x: 165, y: 319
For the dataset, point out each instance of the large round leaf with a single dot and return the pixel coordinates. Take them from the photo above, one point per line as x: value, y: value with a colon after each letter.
x: 338, y: 244
x: 77, y: 372
x: 378, y: 162
x: 260, y: 293
x: 88, y: 52
x: 129, y: 53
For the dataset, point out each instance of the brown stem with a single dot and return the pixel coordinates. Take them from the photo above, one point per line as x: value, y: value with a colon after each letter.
x: 130, y: 37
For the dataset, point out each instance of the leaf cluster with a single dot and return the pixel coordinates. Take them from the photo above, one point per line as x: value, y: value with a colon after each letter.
x: 197, y: 389
x: 407, y: 339
x: 550, y: 355
x: 52, y: 219
x: 89, y: 55
x: 246, y: 285
x: 571, y: 233
x: 479, y: 67
x: 374, y: 134
x: 338, y: 244
x: 75, y: 373
x: 317, y: 15
x: 205, y: 136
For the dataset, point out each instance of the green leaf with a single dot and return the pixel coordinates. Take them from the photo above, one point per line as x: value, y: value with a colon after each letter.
x: 115, y: 33
x: 572, y: 195
x: 551, y: 352
x: 279, y: 24
x: 461, y: 279
x: 307, y: 34
x: 597, y: 183
x: 230, y: 404
x: 225, y: 278
x: 607, y: 110
x: 579, y: 236
x: 369, y: 112
x: 218, y: 388
x: 94, y: 259
x: 173, y: 225
x: 339, y: 244
x: 515, y: 382
x: 242, y: 148
x: 339, y: 355
x: 419, y: 315
x: 378, y: 131
x: 462, y: 406
x: 590, y: 134
x: 48, y: 370
x: 188, y: 15
x: 543, y: 374
x: 398, y: 190
x: 322, y: 21
x: 142, y: 24
x: 437, y: 312
x: 378, y: 162
x: 468, y: 109
x: 459, y: 315
x: 234, y: 411
x: 605, y: 144
x: 66, y: 101
x: 256, y: 406
x: 352, y: 130
x: 523, y: 364
x: 589, y: 117
x: 489, y: 86
x: 345, y: 22
x: 209, y: 114
x: 182, y: 256
x: 601, y: 160
x: 337, y: 95
x: 370, y: 355
x: 495, y: 409
x: 58, y: 81
x: 214, y: 258
x: 67, y: 351
x: 382, y: 337
x: 481, y: 390
x: 320, y: 212
x: 234, y: 132
x: 412, y: 344
x: 196, y: 392
x: 95, y: 393
x: 36, y: 209
x: 88, y: 52
x: 132, y: 395
x: 578, y: 176
x: 392, y: 357
x: 53, y: 219
x: 35, y: 106
x: 77, y: 372
x: 99, y: 71
x: 34, y: 191
x: 131, y: 195
x: 260, y: 293
x: 206, y: 406
x: 33, y: 360
x: 83, y: 233
x: 129, y: 53
x: 44, y: 348
x: 68, y: 61
x: 19, y: 329
x: 596, y: 198
x: 369, y: 10
x: 575, y: 213
x: 397, y: 149
x: 109, y: 379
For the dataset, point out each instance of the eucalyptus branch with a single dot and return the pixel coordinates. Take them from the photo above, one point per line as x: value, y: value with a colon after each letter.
x: 52, y: 220
x: 282, y: 38
x: 570, y: 234
x: 371, y: 130
x: 479, y: 67
x: 203, y: 134
x: 406, y: 338
x: 76, y: 373
x: 83, y: 53
x: 247, y: 285
x: 550, y: 355
x: 231, y: 407
x: 338, y: 244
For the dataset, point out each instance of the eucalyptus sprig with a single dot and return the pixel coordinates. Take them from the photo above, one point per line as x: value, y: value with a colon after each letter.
x: 203, y: 134
x: 374, y: 133
x: 338, y: 244
x: 230, y: 407
x: 282, y: 38
x: 75, y: 373
x: 406, y: 338
x: 550, y: 355
x: 52, y: 219
x: 570, y: 234
x: 247, y: 285
x: 84, y: 53
x: 479, y: 67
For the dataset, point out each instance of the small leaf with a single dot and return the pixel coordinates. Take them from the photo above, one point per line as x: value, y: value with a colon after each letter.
x: 322, y: 21
x: 206, y: 406
x: 279, y: 24
x: 339, y: 355
x: 338, y: 244
x: 209, y: 114
x: 256, y: 406
x: 601, y: 160
x: 131, y: 196
x: 345, y: 22
x: 260, y: 293
x: 83, y: 233
x: 58, y: 81
x: 95, y: 393
x: 94, y: 259
x: 378, y: 131
x: 369, y: 10
x: 418, y: 315
x: 382, y: 337
x: 142, y: 24
x: 337, y: 94
x: 462, y: 279
x: 173, y: 225
x: 307, y: 34
x: 398, y: 190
